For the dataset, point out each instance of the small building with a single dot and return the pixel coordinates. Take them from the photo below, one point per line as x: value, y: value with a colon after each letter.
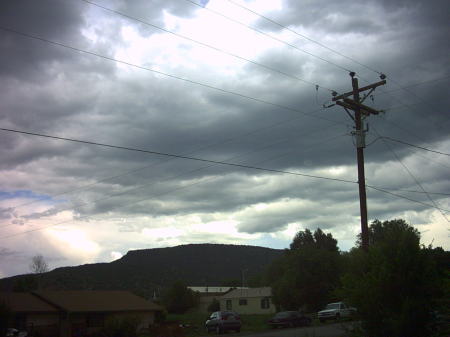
x: 249, y: 301
x: 208, y: 294
x: 28, y: 312
x: 76, y: 313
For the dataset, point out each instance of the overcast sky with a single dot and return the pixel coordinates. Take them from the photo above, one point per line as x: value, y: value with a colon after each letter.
x: 172, y: 77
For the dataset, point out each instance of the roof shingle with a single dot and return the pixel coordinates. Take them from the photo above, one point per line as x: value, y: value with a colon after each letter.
x: 97, y: 301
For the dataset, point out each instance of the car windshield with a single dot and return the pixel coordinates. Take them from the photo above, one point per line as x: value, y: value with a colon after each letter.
x: 332, y: 306
x: 282, y: 315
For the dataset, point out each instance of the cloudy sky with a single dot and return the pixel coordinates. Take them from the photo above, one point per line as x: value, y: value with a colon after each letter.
x: 242, y: 82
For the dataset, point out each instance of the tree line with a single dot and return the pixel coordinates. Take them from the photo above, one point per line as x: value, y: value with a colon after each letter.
x: 397, y: 286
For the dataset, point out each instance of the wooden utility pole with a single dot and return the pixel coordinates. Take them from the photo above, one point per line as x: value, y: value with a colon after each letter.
x: 360, y: 112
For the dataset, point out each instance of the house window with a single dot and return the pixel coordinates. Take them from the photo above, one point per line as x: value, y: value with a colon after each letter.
x: 228, y: 304
x: 242, y: 301
x: 95, y: 320
x: 265, y: 303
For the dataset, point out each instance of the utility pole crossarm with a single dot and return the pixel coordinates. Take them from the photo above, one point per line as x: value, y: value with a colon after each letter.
x: 367, y: 110
x: 371, y: 86
x: 359, y: 110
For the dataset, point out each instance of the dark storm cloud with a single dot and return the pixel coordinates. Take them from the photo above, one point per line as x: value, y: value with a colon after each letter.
x: 54, y: 20
x: 56, y: 91
x: 152, y: 11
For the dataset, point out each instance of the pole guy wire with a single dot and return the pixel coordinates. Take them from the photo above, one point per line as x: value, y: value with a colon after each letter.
x: 414, y: 178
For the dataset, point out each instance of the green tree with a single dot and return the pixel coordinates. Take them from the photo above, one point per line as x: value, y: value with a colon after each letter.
x: 214, y: 305
x: 38, y: 264
x: 232, y: 283
x: 121, y: 327
x: 393, y: 284
x: 318, y: 240
x: 26, y: 283
x: 5, y: 318
x: 179, y: 298
x: 308, y: 273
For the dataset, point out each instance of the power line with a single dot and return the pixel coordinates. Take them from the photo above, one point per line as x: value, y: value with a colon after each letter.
x: 406, y: 198
x: 146, y: 185
x: 268, y: 35
x: 163, y: 73
x: 228, y: 140
x: 165, y: 154
x: 307, y: 38
x: 418, y: 84
x: 134, y: 202
x: 187, y: 186
x: 414, y: 178
x: 204, y: 44
x: 185, y: 157
x: 328, y: 48
x: 413, y: 134
x: 412, y: 145
x: 177, y: 189
x: 409, y: 191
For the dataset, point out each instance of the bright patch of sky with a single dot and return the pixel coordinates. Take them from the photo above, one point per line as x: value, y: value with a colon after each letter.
x: 24, y: 194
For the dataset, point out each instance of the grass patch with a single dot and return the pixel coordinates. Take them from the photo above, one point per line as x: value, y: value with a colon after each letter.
x: 255, y: 323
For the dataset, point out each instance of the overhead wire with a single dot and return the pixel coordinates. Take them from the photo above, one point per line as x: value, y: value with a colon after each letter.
x: 166, y: 154
x: 143, y: 185
x: 401, y: 87
x: 204, y: 44
x: 177, y: 189
x: 266, y: 34
x: 56, y: 43
x: 303, y: 36
x: 410, y: 191
x: 434, y: 80
x: 162, y: 73
x: 415, y: 146
x: 199, y: 159
x: 442, y: 210
x: 146, y: 198
x: 413, y: 177
x: 128, y: 172
x: 187, y: 186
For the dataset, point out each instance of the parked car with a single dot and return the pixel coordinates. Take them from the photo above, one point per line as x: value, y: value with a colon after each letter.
x: 289, y: 319
x: 335, y: 311
x: 222, y: 321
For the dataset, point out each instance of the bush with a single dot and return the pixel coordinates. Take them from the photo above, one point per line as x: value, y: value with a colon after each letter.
x: 121, y: 327
x: 393, y: 284
x: 214, y: 306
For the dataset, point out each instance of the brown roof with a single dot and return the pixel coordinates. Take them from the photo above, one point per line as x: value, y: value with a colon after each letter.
x: 26, y: 302
x: 250, y: 292
x: 97, y: 301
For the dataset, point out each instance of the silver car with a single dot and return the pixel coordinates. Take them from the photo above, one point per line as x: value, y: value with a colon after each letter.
x: 222, y: 321
x: 335, y: 311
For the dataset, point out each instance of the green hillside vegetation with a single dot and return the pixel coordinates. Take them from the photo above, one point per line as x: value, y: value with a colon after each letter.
x: 144, y: 271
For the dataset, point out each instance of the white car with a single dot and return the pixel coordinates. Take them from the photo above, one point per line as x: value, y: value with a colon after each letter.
x: 336, y: 311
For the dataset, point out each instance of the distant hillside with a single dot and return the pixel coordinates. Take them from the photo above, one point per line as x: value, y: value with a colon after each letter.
x: 144, y: 270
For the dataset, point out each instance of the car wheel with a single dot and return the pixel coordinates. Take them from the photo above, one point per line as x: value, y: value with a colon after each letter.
x: 218, y: 330
x: 322, y: 320
x: 238, y: 330
x: 338, y: 317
